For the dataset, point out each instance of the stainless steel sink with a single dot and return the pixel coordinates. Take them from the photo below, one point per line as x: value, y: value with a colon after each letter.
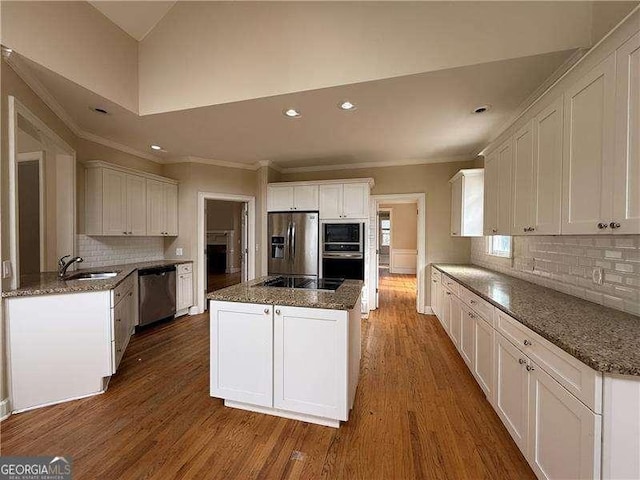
x: 91, y: 276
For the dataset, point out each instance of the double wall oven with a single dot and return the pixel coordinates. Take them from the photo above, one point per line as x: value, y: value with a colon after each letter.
x: 343, y: 250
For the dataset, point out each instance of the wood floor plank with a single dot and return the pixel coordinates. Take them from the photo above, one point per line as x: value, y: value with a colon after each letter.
x: 418, y: 414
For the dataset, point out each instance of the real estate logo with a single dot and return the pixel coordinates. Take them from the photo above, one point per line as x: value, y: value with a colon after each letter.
x: 35, y: 468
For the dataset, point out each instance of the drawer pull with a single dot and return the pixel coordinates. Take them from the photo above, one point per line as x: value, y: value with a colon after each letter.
x: 527, y: 343
x: 278, y: 312
x: 472, y: 315
x: 117, y: 294
x: 530, y: 368
x: 602, y: 226
x: 614, y: 225
x: 434, y: 281
x: 472, y: 302
x: 522, y: 361
x: 266, y: 311
x: 448, y: 293
x: 117, y: 319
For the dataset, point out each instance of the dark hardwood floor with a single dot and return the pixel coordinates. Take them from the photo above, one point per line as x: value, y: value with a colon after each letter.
x: 418, y: 414
x: 218, y: 281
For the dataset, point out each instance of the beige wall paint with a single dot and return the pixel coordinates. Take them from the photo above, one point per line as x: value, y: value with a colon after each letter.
x: 607, y: 15
x: 78, y: 42
x: 231, y: 51
x: 432, y: 179
x: 195, y: 178
x: 404, y: 226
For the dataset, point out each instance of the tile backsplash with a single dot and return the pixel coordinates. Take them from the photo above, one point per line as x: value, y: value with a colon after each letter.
x: 105, y: 251
x: 566, y: 263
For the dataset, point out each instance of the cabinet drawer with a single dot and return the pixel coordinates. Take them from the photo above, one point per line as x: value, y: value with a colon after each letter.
x: 450, y: 284
x: 477, y: 304
x: 435, y: 274
x: 122, y: 290
x: 185, y: 268
x: 581, y: 380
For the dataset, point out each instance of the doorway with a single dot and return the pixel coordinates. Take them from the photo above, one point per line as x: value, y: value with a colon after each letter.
x: 226, y: 233
x: 225, y: 243
x: 399, y: 250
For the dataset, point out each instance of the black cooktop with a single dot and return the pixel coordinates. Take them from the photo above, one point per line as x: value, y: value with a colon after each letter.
x: 330, y: 284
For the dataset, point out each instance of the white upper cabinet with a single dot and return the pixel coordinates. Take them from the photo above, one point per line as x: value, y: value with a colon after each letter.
x: 121, y: 201
x: 490, y: 214
x: 547, y: 170
x: 497, y: 188
x: 348, y: 200
x: 285, y: 197
x: 467, y: 196
x: 589, y: 119
x: 114, y: 202
x: 505, y: 161
x: 355, y: 200
x: 162, y: 208
x: 136, y: 205
x: 523, y: 181
x: 331, y: 201
x: 626, y: 189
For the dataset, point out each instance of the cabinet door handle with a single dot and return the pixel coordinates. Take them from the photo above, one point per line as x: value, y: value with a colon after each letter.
x: 522, y: 361
x: 525, y: 229
x: 494, y: 230
x: 117, y: 319
x: 614, y: 225
x: 130, y: 294
x: 472, y: 302
x: 472, y: 315
x: 434, y: 281
x: 266, y: 311
x: 278, y: 312
x: 117, y: 294
x: 530, y: 368
x: 602, y: 226
x: 448, y: 293
x: 527, y: 343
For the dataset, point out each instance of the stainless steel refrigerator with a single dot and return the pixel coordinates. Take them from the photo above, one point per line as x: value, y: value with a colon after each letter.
x: 293, y: 244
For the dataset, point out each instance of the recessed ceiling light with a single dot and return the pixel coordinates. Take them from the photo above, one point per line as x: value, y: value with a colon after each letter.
x: 99, y: 110
x: 156, y: 147
x: 481, y: 109
x: 347, y: 106
x: 291, y: 113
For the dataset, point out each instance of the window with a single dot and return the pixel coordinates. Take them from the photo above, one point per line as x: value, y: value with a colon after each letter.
x: 499, y: 246
x: 385, y: 228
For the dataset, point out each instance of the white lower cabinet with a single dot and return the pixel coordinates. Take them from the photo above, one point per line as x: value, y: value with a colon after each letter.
x: 242, y: 352
x: 564, y: 435
x: 293, y: 362
x: 445, y: 309
x: 455, y: 319
x: 184, y: 288
x: 512, y: 390
x: 483, y: 358
x: 467, y: 334
x: 308, y: 362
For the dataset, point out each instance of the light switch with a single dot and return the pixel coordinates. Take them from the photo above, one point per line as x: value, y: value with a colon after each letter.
x: 178, y: 252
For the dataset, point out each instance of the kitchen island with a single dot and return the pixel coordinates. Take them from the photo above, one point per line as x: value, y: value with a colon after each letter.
x: 289, y: 352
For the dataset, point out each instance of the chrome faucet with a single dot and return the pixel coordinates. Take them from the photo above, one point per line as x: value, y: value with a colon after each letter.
x: 63, y: 266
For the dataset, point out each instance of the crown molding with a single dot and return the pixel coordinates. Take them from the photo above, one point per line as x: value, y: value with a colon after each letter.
x: 49, y: 100
x: 270, y: 164
x: 212, y: 161
x: 391, y: 163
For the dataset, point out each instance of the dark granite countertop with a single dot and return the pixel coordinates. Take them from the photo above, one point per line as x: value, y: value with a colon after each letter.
x: 48, y: 283
x: 605, y: 339
x: 344, y: 298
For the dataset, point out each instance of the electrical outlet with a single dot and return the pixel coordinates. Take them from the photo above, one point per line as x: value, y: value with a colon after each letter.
x: 178, y: 252
x: 6, y: 269
x: 596, y: 275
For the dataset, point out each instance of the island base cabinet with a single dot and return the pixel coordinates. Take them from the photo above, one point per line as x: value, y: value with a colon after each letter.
x: 564, y: 435
x: 310, y: 354
x: 242, y: 352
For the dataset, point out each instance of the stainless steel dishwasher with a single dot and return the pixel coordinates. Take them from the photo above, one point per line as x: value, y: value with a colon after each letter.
x: 157, y: 288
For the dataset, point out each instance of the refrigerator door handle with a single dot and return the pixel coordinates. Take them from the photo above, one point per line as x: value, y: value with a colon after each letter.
x: 289, y: 242
x: 293, y: 241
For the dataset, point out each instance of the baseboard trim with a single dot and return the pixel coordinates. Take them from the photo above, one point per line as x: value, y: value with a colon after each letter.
x: 327, y: 422
x: 5, y: 412
x: 428, y: 310
x: 403, y: 270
